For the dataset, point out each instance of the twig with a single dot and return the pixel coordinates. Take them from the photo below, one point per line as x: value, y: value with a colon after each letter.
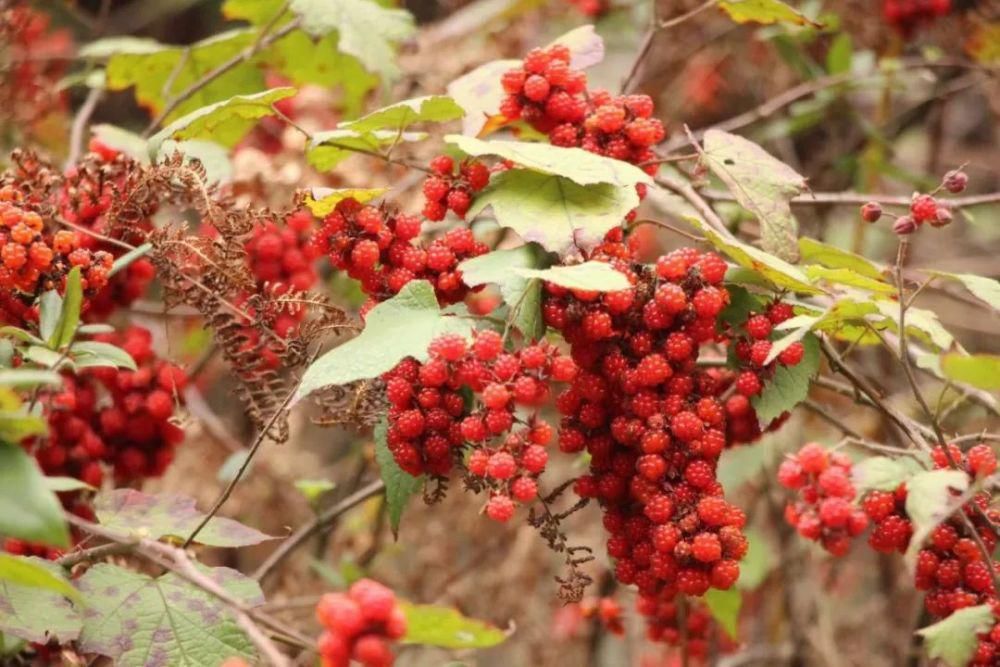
x: 79, y: 127
x: 264, y: 39
x: 262, y: 435
x: 858, y: 198
x: 316, y: 524
x: 685, y: 190
x: 829, y: 418
x: 92, y: 554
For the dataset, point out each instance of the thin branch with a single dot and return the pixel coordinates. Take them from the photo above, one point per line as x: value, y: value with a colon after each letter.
x: 264, y: 39
x: 859, y: 198
x: 80, y: 121
x: 92, y: 554
x: 317, y: 523
x: 684, y: 189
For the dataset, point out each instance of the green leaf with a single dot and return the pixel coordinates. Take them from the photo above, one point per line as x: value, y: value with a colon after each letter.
x: 761, y: 184
x: 50, y: 306
x: 129, y: 257
x: 64, y: 484
x: 69, y: 315
x: 401, y: 115
x: 986, y: 290
x: 159, y: 72
x: 764, y: 11
x: 400, y: 486
x: 776, y: 270
x: 838, y: 58
x: 431, y: 625
x: 28, y: 377
x: 172, y: 516
x: 123, y: 141
x: 789, y: 385
x: 883, y: 473
x: 135, y: 619
x: 929, y: 498
x: 35, y: 573
x: 574, y: 164
x: 848, y: 277
x: 16, y: 425
x: 919, y: 322
x: 20, y: 334
x: 28, y: 510
x: 979, y: 370
x: 123, y: 45
x: 33, y: 601
x: 554, y: 211
x: 758, y: 561
x: 94, y: 329
x: 955, y: 639
x: 322, y: 201
x: 224, y: 122
x: 591, y: 276
x: 813, y: 251
x: 43, y: 356
x: 739, y: 465
x: 741, y: 304
x: 725, y: 608
x: 367, y: 30
x: 90, y: 353
x: 479, y: 93
x: 312, y: 489
x: 380, y: 346
x: 523, y: 295
x: 328, y: 149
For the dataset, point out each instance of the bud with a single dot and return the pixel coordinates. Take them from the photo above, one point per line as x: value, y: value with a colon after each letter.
x: 904, y: 224
x: 944, y: 217
x: 871, y: 212
x: 955, y: 181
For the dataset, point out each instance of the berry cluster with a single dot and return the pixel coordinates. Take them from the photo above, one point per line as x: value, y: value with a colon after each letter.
x: 891, y: 527
x: 445, y: 190
x: 429, y: 421
x: 545, y: 91
x: 84, y: 198
x: 33, y: 260
x: 907, y: 15
x: 358, y: 625
x: 824, y: 512
x: 137, y: 426
x: 607, y: 611
x: 663, y: 623
x: 281, y: 258
x: 651, y: 421
x: 924, y: 207
x: 507, y: 461
x: 376, y: 246
x: 619, y: 127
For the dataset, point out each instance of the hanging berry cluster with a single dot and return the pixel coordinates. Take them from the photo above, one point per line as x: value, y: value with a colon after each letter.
x: 694, y: 625
x: 430, y: 420
x: 551, y: 96
x: 824, y: 512
x: 652, y: 423
x: 445, y: 190
x: 924, y: 207
x: 375, y: 245
x: 358, y: 625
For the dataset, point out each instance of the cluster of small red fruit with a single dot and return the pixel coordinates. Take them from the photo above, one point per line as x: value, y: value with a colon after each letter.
x: 924, y: 207
x: 359, y: 624
x: 430, y: 421
x: 550, y: 95
x: 951, y: 566
x: 377, y: 246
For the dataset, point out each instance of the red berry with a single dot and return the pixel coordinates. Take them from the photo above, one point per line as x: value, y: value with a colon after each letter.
x: 871, y: 212
x: 500, y: 508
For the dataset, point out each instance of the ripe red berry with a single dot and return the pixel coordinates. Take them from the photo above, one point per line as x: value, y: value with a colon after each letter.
x: 501, y: 466
x: 923, y: 208
x: 500, y: 508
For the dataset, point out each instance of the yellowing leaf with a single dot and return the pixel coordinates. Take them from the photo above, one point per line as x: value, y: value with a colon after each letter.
x: 322, y: 201
x: 761, y: 184
x: 817, y: 252
x: 764, y: 11
x: 979, y: 370
x: 225, y: 122
x: 591, y: 276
